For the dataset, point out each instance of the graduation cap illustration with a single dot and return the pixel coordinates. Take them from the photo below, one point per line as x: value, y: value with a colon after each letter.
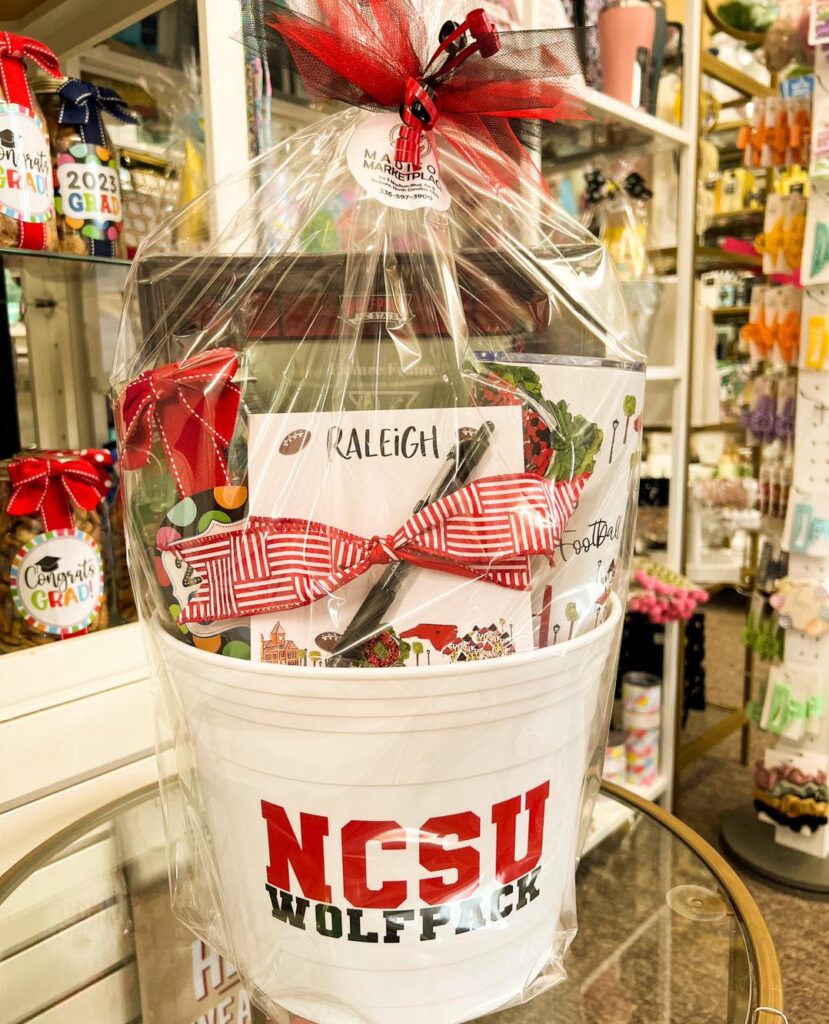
x: 48, y: 563
x: 8, y: 138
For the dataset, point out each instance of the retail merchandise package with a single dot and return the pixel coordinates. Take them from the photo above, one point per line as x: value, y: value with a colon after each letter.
x: 380, y: 437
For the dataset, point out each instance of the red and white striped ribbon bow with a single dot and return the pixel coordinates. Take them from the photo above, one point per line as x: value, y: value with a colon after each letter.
x: 487, y: 530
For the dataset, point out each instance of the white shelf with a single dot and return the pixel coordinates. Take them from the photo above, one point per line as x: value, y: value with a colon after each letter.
x: 70, y: 26
x: 671, y: 373
x: 612, y: 111
x: 715, y: 573
x: 609, y: 816
x: 38, y: 678
x: 610, y: 127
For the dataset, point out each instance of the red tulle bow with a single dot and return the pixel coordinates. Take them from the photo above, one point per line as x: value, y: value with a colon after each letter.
x: 372, y: 55
x: 193, y: 405
x: 49, y: 487
x: 487, y: 530
x: 13, y: 51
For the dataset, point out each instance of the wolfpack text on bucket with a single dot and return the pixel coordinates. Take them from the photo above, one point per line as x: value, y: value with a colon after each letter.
x: 447, y: 896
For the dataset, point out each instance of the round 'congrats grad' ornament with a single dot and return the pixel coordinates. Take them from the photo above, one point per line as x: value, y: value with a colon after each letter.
x: 57, y: 582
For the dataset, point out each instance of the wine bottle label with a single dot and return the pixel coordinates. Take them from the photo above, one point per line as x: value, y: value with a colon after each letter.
x: 25, y: 166
x: 57, y: 582
x: 370, y: 155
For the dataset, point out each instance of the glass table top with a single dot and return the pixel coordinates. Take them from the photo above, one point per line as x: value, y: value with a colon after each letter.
x: 87, y: 935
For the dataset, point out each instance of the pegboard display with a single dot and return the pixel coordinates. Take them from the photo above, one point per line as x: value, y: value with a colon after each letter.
x: 804, y: 567
x: 791, y: 783
x: 811, y: 448
x: 795, y: 701
x: 807, y: 522
x: 809, y: 652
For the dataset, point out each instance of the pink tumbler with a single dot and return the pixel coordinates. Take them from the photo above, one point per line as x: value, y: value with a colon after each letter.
x: 626, y: 37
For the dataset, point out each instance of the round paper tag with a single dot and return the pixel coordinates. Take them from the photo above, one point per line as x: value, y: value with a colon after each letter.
x: 26, y: 191
x: 370, y: 155
x: 57, y: 582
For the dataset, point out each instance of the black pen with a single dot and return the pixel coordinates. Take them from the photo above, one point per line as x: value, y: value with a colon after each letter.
x: 461, y: 463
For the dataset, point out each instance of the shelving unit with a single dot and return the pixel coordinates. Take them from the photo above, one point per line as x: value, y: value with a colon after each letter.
x: 660, y: 133
x: 706, y: 258
x: 683, y: 266
x: 72, y: 26
x: 609, y: 818
x: 735, y: 79
x: 663, y: 373
x: 83, y: 726
x: 613, y: 128
x: 618, y: 128
x: 731, y: 313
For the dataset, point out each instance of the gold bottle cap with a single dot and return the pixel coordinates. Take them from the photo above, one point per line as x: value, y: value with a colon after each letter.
x: 41, y: 83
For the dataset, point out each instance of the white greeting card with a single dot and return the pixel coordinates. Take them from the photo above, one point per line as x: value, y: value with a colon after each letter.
x: 819, y: 162
x: 364, y: 472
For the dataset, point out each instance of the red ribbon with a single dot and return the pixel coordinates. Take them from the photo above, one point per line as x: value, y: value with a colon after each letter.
x: 14, y: 87
x: 49, y: 487
x: 193, y: 406
x: 13, y: 81
x: 100, y: 459
x: 487, y: 530
x: 419, y: 111
x: 369, y: 55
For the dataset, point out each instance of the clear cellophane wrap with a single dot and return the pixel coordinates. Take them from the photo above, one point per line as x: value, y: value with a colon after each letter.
x: 380, y: 435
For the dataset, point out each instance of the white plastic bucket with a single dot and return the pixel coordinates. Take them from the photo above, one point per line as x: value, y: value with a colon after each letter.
x: 484, y: 747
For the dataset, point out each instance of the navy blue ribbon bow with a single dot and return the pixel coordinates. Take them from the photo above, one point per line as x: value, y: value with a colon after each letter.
x: 82, y: 105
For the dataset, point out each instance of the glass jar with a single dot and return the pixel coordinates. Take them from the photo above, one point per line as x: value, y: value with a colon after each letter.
x: 53, y: 583
x: 86, y: 180
x: 26, y: 194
